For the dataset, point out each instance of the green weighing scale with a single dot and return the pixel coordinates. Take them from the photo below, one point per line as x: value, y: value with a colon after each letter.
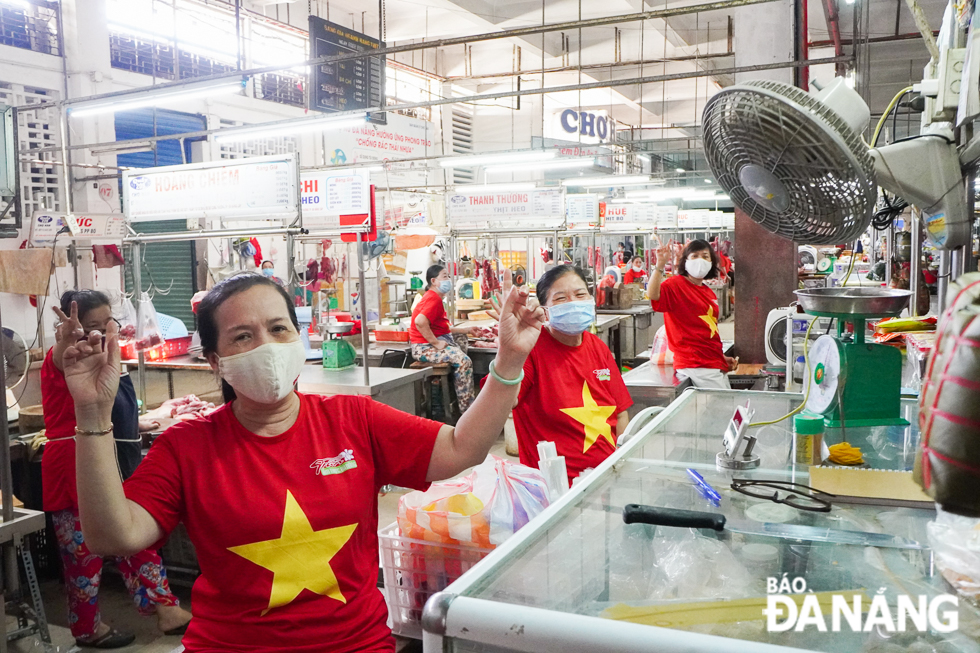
x: 850, y: 381
x: 338, y: 354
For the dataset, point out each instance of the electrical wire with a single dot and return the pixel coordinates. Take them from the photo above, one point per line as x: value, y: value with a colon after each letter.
x: 884, y: 116
x: 789, y: 370
x: 850, y: 267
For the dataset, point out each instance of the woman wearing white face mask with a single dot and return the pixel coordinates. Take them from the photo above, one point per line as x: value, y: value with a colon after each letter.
x: 435, y: 341
x: 278, y: 490
x: 573, y: 393
x: 690, y: 311
x: 635, y: 274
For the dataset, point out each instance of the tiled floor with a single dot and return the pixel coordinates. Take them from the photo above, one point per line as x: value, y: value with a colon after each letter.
x: 118, y: 611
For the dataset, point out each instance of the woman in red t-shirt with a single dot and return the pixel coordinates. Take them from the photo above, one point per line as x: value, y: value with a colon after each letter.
x: 573, y: 393
x: 690, y: 311
x: 435, y: 341
x: 278, y: 489
x: 85, y: 311
x: 635, y: 274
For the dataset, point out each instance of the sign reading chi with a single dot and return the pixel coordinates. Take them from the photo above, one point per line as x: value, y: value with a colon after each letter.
x: 586, y: 125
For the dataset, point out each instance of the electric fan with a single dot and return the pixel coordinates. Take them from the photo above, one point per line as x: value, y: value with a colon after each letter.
x: 795, y: 163
x: 16, y: 360
x: 518, y: 275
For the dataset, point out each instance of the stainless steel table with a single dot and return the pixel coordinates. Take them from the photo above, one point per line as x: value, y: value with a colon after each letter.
x: 636, y: 328
x: 577, y: 578
x: 653, y: 385
x: 394, y: 387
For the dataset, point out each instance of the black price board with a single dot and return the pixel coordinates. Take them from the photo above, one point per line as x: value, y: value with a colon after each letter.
x: 345, y: 85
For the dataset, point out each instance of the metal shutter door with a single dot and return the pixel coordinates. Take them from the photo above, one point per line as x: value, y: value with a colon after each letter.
x: 173, y: 265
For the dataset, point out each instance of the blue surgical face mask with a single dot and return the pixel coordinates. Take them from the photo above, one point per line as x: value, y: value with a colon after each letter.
x: 269, y: 272
x: 572, y: 318
x: 445, y: 286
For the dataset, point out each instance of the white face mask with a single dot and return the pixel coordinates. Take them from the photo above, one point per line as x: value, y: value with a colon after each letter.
x: 637, y: 268
x: 265, y: 374
x: 698, y: 267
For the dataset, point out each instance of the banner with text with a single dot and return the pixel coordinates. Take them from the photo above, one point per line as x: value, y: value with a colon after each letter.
x: 328, y: 194
x: 401, y: 138
x: 630, y: 216
x: 506, y: 210
x: 583, y: 211
x: 257, y: 188
x: 94, y: 227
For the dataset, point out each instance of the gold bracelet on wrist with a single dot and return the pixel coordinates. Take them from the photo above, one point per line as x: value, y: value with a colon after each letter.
x: 79, y: 431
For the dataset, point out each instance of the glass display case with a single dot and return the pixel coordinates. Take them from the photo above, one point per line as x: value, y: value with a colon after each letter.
x: 578, y: 578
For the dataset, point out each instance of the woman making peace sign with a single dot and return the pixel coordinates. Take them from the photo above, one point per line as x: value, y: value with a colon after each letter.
x: 278, y: 489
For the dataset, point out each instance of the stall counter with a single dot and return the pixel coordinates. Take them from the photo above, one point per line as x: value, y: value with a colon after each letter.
x: 394, y: 387
x: 578, y: 578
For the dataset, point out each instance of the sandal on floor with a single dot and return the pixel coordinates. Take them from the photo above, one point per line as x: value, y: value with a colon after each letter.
x: 179, y: 630
x: 112, y: 639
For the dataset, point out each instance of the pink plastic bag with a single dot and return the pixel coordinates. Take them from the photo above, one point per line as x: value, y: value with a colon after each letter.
x: 661, y: 354
x: 484, y: 507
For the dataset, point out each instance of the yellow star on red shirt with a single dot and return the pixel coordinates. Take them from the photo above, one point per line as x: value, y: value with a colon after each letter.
x: 593, y: 417
x: 711, y: 320
x: 300, y: 558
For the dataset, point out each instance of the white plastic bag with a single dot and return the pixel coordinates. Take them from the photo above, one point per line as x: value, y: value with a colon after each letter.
x: 484, y: 507
x: 147, y: 330
x: 956, y: 543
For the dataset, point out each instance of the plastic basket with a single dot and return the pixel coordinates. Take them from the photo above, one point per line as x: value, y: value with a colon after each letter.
x: 170, y: 327
x: 414, y: 570
x: 169, y: 349
x: 381, y: 335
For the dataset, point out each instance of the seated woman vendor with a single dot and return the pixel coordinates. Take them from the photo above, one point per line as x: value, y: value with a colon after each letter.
x: 573, y: 393
x: 435, y: 341
x: 278, y: 490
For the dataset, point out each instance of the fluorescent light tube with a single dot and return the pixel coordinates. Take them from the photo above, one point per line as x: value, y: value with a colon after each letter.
x: 679, y: 170
x: 18, y: 4
x: 607, y: 181
x: 129, y: 148
x: 496, y: 158
x: 494, y: 188
x: 234, y: 134
x: 560, y: 164
x: 153, y: 99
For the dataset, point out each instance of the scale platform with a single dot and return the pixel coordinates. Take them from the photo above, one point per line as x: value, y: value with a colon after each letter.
x: 850, y: 381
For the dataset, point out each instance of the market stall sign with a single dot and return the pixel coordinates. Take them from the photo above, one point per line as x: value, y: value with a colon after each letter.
x: 666, y: 217
x: 95, y: 227
x: 583, y: 211
x: 257, y: 188
x: 509, y: 210
x: 345, y: 85
x: 583, y: 126
x: 630, y: 216
x: 326, y: 195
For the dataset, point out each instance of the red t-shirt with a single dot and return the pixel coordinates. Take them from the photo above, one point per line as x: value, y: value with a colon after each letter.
x: 58, y: 462
x: 432, y: 308
x: 634, y: 277
x: 691, y: 317
x: 570, y: 396
x: 285, y: 527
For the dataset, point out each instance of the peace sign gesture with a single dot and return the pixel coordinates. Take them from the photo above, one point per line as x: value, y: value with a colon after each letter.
x: 520, y: 326
x: 91, y: 365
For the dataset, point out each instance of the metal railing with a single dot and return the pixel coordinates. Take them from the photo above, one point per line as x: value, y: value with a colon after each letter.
x: 33, y: 27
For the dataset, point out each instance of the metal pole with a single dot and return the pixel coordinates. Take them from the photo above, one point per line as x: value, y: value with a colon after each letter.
x: 11, y: 575
x: 889, y: 253
x: 943, y: 284
x: 958, y: 263
x: 442, y: 43
x: 365, y: 342
x: 652, y: 79
x: 137, y: 292
x: 915, y: 262
x: 452, y: 274
x: 290, y: 258
x: 790, y: 358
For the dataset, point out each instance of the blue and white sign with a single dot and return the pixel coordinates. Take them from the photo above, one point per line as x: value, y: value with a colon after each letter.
x: 584, y: 126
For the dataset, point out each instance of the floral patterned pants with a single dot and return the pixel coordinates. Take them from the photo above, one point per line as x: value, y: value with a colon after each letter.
x: 455, y: 355
x: 144, y: 574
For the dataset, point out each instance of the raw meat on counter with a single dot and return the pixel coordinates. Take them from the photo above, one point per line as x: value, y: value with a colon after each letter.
x: 182, y: 409
x: 485, y: 337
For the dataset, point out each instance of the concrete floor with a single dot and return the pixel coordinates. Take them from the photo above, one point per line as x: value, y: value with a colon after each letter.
x: 118, y: 611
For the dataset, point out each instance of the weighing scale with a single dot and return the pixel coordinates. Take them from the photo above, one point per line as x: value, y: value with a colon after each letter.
x: 338, y: 354
x: 852, y: 382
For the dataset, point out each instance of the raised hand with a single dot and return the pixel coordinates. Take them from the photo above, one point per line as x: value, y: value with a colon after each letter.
x: 69, y: 330
x: 92, y: 369
x: 520, y: 326
x: 664, y: 254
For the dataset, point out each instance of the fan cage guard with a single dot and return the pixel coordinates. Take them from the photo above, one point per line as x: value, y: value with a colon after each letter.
x: 826, y: 170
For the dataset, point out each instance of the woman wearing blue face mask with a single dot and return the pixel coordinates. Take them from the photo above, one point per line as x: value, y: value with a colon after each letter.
x: 435, y: 341
x: 572, y: 393
x: 269, y: 270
